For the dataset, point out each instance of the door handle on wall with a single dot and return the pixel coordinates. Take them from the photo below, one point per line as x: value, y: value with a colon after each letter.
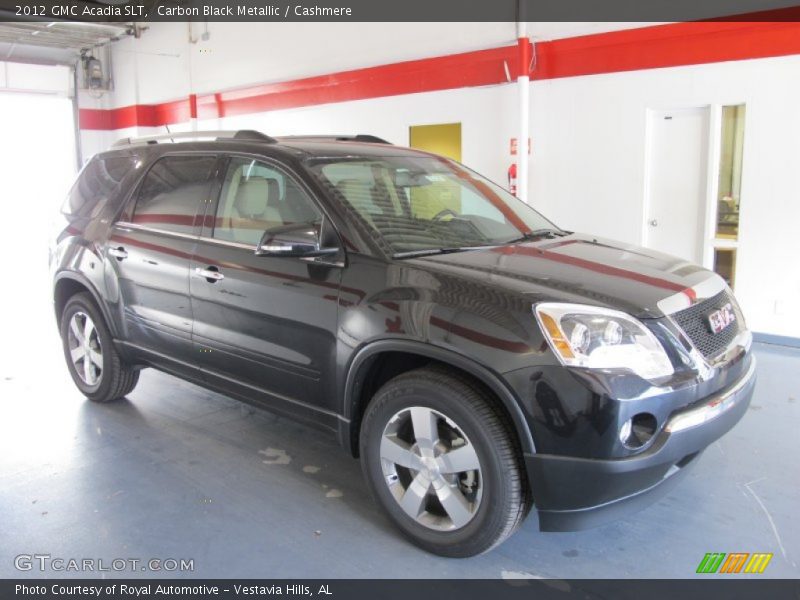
x: 118, y: 253
x: 210, y: 274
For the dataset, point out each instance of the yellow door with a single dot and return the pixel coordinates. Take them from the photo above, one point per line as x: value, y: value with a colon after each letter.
x: 443, y: 139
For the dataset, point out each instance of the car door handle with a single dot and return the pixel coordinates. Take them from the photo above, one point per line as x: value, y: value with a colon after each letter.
x: 119, y: 253
x: 210, y: 274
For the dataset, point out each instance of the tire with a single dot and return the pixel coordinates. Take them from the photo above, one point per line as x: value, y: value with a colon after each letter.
x: 109, y: 377
x: 494, y: 498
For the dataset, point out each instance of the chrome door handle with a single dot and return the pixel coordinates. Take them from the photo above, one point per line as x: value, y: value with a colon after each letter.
x: 654, y: 223
x: 118, y: 253
x: 211, y: 275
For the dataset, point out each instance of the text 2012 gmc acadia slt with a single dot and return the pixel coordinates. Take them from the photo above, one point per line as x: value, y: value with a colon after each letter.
x: 479, y: 360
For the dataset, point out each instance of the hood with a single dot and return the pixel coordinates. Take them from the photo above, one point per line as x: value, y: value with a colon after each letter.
x: 581, y: 269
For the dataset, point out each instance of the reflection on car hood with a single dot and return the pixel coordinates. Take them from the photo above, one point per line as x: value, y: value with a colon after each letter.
x: 581, y: 269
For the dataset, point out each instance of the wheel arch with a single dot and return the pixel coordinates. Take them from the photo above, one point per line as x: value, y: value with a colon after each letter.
x: 365, y: 367
x: 69, y: 283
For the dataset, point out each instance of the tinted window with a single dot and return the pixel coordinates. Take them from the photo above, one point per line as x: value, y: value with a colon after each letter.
x: 172, y: 192
x: 256, y: 197
x: 418, y: 203
x: 98, y: 182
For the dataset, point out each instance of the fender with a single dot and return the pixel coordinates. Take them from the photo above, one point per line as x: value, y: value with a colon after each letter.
x: 86, y: 282
x: 363, y: 357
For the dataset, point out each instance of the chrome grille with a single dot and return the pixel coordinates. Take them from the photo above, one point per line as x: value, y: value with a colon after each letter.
x: 694, y: 323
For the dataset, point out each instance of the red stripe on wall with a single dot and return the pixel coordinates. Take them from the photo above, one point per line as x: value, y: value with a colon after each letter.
x: 670, y: 45
x: 482, y: 67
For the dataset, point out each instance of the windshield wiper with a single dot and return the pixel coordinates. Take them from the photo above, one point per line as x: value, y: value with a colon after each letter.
x: 433, y: 251
x: 537, y: 234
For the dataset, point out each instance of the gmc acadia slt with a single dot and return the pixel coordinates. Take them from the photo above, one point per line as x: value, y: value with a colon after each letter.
x: 479, y: 359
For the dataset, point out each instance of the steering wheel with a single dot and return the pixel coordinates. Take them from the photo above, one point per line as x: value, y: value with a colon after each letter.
x: 443, y: 213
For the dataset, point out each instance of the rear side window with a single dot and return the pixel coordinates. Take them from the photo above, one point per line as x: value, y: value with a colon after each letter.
x: 172, y: 193
x: 256, y: 197
x: 98, y: 183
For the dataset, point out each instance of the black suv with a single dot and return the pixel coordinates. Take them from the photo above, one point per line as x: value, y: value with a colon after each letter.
x: 478, y: 359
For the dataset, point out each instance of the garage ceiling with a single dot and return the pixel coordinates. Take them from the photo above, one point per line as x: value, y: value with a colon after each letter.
x: 55, y: 42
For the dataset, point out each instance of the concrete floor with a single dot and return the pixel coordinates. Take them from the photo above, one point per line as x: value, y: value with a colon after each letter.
x: 179, y: 472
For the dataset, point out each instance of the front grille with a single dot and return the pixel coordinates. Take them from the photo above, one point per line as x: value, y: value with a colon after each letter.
x: 694, y: 322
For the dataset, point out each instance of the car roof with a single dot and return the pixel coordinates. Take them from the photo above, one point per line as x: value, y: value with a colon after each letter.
x: 337, y: 148
x: 298, y: 147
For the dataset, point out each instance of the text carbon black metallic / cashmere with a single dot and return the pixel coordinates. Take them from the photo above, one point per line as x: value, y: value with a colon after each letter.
x: 480, y: 360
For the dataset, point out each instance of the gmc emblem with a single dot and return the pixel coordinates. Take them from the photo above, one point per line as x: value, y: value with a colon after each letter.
x: 720, y: 319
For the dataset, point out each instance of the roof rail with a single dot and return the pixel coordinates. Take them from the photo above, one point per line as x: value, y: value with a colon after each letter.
x: 242, y: 134
x: 360, y: 137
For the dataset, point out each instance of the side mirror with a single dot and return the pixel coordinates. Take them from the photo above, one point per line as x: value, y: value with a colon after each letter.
x: 297, y: 240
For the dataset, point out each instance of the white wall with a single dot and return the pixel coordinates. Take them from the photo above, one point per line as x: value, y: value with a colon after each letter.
x: 241, y: 54
x: 588, y: 164
x: 163, y: 65
x: 587, y: 167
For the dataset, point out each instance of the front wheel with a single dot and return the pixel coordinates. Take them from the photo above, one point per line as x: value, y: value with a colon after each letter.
x: 94, y: 364
x: 440, y: 458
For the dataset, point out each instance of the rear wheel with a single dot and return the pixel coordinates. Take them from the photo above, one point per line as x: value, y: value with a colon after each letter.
x: 93, y: 362
x: 441, y: 460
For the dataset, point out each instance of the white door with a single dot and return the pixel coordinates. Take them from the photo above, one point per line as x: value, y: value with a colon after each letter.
x: 676, y: 184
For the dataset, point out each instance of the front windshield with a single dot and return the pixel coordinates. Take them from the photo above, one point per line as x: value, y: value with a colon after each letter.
x: 420, y: 203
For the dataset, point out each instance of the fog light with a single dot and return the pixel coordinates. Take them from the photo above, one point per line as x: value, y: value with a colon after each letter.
x: 639, y: 430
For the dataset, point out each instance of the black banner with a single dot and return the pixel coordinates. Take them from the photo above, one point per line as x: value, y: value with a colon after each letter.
x: 512, y: 589
x: 397, y: 11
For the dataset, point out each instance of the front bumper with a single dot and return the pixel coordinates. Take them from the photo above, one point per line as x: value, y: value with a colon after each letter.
x: 576, y: 493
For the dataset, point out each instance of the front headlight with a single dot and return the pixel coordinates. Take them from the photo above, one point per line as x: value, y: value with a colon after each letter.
x: 599, y: 338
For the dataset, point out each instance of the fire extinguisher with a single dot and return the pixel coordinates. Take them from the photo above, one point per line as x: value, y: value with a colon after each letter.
x: 512, y: 178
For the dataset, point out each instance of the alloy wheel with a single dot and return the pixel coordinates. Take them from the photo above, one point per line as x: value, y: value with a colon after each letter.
x: 431, y: 468
x: 84, y: 348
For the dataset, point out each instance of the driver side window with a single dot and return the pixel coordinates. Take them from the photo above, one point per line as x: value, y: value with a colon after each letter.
x: 255, y: 197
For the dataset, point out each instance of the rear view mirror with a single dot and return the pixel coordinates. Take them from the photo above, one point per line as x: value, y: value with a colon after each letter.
x: 405, y: 178
x: 296, y: 239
